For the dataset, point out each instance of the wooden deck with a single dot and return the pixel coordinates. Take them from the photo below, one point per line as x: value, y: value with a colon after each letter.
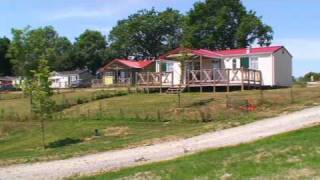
x: 202, y: 78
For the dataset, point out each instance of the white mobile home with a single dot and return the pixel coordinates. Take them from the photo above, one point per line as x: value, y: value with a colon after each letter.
x: 68, y: 79
x: 263, y: 66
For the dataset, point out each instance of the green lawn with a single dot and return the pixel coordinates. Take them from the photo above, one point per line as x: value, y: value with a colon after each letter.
x: 132, y: 120
x: 294, y: 155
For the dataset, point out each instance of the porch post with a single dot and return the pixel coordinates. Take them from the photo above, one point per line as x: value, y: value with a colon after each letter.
x: 214, y: 80
x: 242, y: 85
x: 187, y: 79
x: 148, y: 81
x: 136, y: 81
x: 160, y: 78
x: 228, y: 82
x: 117, y: 77
x: 201, y: 74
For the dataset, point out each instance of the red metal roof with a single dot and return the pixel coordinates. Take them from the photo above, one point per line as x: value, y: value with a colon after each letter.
x: 243, y: 51
x: 206, y: 53
x: 135, y: 64
x: 128, y: 63
x: 224, y: 53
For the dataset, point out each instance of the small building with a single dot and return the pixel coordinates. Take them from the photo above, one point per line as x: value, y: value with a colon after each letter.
x: 123, y: 71
x: 10, y: 82
x: 71, y: 79
x: 255, y: 67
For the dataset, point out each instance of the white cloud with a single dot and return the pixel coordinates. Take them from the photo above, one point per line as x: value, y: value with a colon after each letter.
x: 301, y: 48
x: 81, y: 13
x: 104, y: 9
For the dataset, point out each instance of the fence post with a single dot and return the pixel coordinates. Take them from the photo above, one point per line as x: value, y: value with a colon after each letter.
x: 158, y: 115
x: 261, y: 95
x: 291, y: 95
x: 227, y: 101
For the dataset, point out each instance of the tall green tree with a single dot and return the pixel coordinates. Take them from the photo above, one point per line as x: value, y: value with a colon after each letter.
x: 28, y: 46
x: 5, y: 65
x: 64, y: 55
x: 147, y: 32
x: 38, y: 88
x: 91, y: 50
x: 221, y: 24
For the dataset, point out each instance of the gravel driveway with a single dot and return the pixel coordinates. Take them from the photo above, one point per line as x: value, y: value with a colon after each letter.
x: 110, y: 160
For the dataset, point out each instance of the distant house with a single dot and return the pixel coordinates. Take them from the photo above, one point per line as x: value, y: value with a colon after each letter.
x: 123, y: 71
x: 10, y: 82
x: 254, y: 67
x: 69, y: 79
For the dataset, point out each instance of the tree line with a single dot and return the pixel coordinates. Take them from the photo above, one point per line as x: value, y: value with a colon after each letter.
x: 212, y: 24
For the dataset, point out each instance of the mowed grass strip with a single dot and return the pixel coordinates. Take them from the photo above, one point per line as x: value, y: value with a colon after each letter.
x: 294, y: 155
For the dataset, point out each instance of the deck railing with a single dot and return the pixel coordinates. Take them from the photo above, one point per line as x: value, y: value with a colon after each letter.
x: 123, y: 81
x: 154, y: 78
x: 224, y: 76
x: 204, y: 77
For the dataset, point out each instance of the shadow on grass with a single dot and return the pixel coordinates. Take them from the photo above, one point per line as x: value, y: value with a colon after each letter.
x: 200, y: 103
x: 63, y: 142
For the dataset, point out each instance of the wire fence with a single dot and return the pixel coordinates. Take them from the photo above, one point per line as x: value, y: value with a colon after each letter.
x: 206, y: 109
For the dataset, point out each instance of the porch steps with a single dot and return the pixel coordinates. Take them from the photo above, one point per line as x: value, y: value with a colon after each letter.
x: 175, y: 90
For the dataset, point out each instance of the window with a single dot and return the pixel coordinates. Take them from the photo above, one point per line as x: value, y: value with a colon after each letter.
x: 234, y: 64
x: 244, y: 62
x: 163, y: 67
x: 170, y: 67
x: 73, y: 78
x: 254, y: 63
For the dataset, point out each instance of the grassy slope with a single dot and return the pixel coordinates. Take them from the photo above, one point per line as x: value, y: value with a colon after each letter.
x: 293, y: 155
x: 137, y: 122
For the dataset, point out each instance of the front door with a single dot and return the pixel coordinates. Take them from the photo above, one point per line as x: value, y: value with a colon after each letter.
x: 216, y: 66
x: 244, y: 61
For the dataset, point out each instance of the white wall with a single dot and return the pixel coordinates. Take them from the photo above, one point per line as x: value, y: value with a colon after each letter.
x: 282, y: 68
x: 176, y: 71
x: 264, y: 65
x: 59, y: 81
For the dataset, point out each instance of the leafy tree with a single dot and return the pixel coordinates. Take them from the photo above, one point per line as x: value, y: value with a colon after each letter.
x: 147, y: 32
x: 64, y: 53
x: 220, y: 24
x: 38, y: 88
x: 5, y: 65
x: 90, y: 49
x: 28, y: 46
x: 307, y: 77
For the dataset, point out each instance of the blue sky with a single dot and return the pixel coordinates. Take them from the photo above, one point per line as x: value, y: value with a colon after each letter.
x: 295, y: 22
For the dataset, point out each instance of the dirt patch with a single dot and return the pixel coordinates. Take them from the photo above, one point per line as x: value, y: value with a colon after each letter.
x: 142, y: 176
x: 292, y: 174
x: 116, y: 131
x: 153, y: 141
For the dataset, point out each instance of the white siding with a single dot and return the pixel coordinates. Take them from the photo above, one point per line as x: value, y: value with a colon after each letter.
x: 176, y: 70
x: 264, y: 65
x: 59, y: 82
x: 282, y: 68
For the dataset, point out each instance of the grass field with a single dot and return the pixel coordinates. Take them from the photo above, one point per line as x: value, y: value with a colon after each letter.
x: 294, y: 155
x: 134, y: 119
